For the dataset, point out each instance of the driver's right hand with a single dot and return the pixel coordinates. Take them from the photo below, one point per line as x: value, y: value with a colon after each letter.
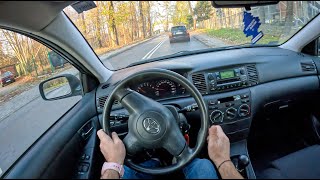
x: 218, y: 145
x: 113, y: 149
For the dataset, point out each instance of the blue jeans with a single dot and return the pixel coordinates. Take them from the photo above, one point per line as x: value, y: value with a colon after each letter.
x: 196, y: 169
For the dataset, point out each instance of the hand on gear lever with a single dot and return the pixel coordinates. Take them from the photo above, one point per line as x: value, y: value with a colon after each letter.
x: 240, y: 162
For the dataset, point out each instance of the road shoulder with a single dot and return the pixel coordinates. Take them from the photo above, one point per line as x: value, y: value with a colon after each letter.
x: 209, y: 41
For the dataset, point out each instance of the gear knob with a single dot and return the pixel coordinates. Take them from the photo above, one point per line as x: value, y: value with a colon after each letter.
x: 243, y: 162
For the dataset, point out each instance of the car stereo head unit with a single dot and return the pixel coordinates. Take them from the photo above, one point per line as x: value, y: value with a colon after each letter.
x: 226, y: 79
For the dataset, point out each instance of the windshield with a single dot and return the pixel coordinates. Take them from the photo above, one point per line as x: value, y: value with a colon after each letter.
x: 123, y: 33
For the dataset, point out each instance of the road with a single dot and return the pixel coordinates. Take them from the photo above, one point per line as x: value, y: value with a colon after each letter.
x: 57, y: 92
x: 20, y: 129
x: 157, y: 47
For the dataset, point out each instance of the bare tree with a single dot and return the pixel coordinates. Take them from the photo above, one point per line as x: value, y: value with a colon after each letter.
x: 84, y: 23
x: 142, y: 19
x: 191, y: 11
x: 113, y: 23
x: 98, y: 25
x: 149, y: 18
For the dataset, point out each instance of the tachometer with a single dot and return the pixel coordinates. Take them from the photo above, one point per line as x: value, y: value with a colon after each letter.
x: 146, y: 89
x: 165, y: 88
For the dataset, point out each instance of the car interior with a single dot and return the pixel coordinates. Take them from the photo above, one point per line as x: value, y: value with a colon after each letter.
x: 264, y: 98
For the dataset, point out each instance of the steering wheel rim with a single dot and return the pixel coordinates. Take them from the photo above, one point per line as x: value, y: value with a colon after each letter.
x: 186, y: 154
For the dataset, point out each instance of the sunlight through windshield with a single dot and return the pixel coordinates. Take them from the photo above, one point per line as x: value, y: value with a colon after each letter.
x: 126, y: 32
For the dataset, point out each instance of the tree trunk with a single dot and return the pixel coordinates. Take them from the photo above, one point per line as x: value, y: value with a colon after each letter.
x: 83, y: 24
x: 142, y: 20
x: 113, y: 24
x: 289, y: 13
x: 262, y: 15
x: 305, y: 11
x: 149, y: 18
x: 124, y: 33
x: 193, y: 15
x: 98, y: 31
x: 132, y: 20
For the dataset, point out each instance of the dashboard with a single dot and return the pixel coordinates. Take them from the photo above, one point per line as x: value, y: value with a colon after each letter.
x: 236, y: 84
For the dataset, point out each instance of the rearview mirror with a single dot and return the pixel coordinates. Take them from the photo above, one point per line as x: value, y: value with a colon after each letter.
x: 60, y: 87
x: 241, y: 4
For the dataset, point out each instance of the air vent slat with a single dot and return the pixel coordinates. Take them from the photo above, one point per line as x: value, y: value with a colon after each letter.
x: 199, y: 82
x: 252, y: 74
x: 103, y: 99
x: 308, y: 66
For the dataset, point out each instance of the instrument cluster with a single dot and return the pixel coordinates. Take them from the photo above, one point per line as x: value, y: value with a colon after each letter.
x: 160, y: 89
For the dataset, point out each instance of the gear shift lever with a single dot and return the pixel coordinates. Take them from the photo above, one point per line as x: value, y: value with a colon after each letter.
x: 243, y: 162
x: 240, y: 162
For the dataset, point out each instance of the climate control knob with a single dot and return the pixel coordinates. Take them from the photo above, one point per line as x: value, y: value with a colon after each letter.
x: 216, y: 116
x: 231, y: 113
x: 244, y: 110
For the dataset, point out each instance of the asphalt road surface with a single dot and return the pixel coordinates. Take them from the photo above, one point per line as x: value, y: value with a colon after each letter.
x: 57, y: 92
x: 156, y: 47
x: 19, y: 130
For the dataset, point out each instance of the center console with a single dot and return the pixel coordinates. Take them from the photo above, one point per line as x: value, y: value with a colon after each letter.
x: 232, y: 113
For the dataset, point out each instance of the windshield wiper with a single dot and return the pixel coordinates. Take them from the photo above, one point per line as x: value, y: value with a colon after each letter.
x: 177, y: 54
x: 180, y: 52
x: 184, y: 53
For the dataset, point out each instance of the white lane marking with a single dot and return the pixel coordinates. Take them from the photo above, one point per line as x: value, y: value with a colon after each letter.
x: 156, y: 49
x: 153, y: 49
x: 0, y: 171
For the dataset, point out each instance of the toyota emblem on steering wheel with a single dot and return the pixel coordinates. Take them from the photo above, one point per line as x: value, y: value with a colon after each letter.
x: 151, y: 125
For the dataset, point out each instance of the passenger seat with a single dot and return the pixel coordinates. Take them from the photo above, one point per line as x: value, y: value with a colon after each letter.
x: 303, y: 164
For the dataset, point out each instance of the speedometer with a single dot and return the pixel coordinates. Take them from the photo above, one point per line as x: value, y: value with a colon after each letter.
x: 165, y: 88
x: 146, y: 89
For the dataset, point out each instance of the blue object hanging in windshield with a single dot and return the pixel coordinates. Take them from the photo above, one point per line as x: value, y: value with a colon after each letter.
x: 251, y: 26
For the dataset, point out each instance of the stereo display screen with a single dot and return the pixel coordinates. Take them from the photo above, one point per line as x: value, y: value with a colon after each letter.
x: 227, y: 74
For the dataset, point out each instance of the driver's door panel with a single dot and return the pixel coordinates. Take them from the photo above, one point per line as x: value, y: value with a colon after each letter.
x: 58, y: 151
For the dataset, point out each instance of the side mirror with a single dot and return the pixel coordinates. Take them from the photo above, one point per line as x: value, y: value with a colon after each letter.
x: 59, y: 87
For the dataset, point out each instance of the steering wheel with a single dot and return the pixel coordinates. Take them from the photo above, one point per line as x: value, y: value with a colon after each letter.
x: 151, y: 125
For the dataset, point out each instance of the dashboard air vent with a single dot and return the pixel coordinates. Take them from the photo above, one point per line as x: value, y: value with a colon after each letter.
x: 105, y: 86
x: 102, y: 100
x: 199, y: 82
x: 252, y: 74
x: 308, y: 66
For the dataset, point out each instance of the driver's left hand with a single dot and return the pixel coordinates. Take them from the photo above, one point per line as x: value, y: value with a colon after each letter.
x: 113, y: 149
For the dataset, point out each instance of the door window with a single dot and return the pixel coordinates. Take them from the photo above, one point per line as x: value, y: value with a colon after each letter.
x: 24, y: 115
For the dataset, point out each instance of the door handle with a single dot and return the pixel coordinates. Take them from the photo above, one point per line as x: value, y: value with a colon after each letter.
x: 86, y: 130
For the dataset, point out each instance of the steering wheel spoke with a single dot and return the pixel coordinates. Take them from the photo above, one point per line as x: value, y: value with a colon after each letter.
x: 175, y: 143
x: 132, y: 144
x: 185, y: 154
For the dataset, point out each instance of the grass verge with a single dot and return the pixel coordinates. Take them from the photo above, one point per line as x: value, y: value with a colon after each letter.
x: 236, y: 36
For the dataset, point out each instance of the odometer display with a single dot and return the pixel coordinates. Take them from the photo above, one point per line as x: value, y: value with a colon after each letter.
x: 165, y: 88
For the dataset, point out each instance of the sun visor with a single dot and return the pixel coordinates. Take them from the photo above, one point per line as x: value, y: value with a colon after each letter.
x: 83, y: 6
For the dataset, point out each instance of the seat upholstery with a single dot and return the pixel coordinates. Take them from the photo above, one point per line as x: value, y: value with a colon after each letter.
x: 303, y: 164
